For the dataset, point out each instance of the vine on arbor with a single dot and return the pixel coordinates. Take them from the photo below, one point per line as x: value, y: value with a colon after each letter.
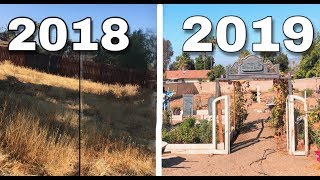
x: 240, y: 110
x: 278, y: 113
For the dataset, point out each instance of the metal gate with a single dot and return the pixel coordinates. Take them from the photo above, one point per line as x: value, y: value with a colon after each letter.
x: 225, y: 118
x: 293, y: 123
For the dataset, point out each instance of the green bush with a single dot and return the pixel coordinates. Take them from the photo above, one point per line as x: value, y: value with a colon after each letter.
x: 314, y: 134
x: 205, y: 131
x: 189, y: 132
x: 315, y: 137
x: 166, y: 117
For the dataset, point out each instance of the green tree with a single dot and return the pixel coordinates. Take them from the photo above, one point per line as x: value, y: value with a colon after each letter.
x: 184, y: 62
x: 209, y: 39
x: 309, y: 65
x: 140, y: 53
x: 244, y: 53
x: 282, y: 60
x: 216, y: 72
x: 205, y: 64
x: 6, y: 35
x: 167, y: 53
x: 268, y: 56
x: 173, y: 66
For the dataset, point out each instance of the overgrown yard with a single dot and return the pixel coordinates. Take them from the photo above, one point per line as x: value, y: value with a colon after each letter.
x: 39, y: 126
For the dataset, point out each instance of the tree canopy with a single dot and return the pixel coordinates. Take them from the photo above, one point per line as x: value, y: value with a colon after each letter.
x: 141, y: 52
x: 309, y: 65
x: 184, y: 62
x: 167, y: 53
x: 204, y: 62
x: 282, y: 60
x: 244, y: 53
x: 216, y: 72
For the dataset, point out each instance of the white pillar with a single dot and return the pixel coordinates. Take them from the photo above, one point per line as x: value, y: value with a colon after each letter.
x: 258, y: 94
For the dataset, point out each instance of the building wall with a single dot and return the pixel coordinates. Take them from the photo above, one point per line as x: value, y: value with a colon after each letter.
x: 186, y: 81
x: 210, y: 87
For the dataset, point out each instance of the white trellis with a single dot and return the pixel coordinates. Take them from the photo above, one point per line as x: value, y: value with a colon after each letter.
x: 290, y: 126
x: 226, y: 149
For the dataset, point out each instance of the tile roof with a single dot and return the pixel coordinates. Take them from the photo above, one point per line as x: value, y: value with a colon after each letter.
x: 187, y: 74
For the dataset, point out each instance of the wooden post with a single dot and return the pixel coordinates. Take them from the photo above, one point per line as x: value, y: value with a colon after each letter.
x: 218, y: 94
x: 289, y: 84
x: 234, y: 105
x: 220, y: 122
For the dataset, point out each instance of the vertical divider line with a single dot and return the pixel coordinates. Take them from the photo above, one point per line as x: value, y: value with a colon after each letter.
x: 159, y: 89
x: 80, y: 108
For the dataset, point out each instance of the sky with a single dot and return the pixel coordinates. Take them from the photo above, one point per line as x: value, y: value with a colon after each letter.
x: 175, y: 15
x: 138, y: 16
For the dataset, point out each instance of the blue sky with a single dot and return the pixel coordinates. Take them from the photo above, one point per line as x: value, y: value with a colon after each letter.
x: 138, y: 16
x: 175, y: 15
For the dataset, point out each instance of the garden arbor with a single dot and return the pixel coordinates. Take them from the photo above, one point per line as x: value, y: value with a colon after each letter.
x: 255, y: 68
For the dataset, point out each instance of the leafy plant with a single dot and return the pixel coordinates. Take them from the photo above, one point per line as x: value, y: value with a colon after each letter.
x: 205, y: 131
x: 189, y: 132
x: 278, y: 112
x: 166, y: 117
x: 314, y: 132
x: 241, y: 113
x: 309, y: 65
x: 216, y: 72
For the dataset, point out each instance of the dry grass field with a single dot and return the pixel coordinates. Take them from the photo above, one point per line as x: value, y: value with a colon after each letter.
x: 39, y: 126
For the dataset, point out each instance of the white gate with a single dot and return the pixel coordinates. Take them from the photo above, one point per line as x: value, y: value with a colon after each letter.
x: 225, y: 147
x: 291, y: 126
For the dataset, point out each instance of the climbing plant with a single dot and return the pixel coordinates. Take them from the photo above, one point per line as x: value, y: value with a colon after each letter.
x: 314, y: 124
x: 280, y: 88
x: 238, y: 108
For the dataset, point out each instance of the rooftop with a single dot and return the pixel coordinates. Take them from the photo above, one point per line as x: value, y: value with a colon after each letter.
x: 187, y: 74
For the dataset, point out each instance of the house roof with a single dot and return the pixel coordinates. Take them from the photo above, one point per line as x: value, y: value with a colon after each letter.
x: 187, y: 74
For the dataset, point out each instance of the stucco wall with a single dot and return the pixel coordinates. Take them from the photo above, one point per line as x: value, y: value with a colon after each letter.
x: 209, y: 87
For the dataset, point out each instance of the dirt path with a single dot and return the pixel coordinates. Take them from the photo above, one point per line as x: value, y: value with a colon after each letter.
x: 255, y: 152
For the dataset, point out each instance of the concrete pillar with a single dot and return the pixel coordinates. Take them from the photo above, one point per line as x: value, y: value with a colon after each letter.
x: 258, y: 94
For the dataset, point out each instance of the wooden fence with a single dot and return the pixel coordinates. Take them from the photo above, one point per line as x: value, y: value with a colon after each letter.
x: 97, y: 72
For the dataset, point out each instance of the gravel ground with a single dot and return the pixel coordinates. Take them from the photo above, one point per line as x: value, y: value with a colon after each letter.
x: 255, y: 152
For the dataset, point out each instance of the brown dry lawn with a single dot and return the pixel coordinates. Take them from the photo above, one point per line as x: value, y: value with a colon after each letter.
x: 39, y: 126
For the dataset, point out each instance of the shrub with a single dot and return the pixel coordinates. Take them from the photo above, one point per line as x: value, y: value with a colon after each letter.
x: 205, y: 131
x: 166, y: 119
x: 189, y: 132
x: 314, y: 133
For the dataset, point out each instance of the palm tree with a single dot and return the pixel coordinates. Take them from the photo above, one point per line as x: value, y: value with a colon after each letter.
x: 182, y: 60
x: 208, y: 39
